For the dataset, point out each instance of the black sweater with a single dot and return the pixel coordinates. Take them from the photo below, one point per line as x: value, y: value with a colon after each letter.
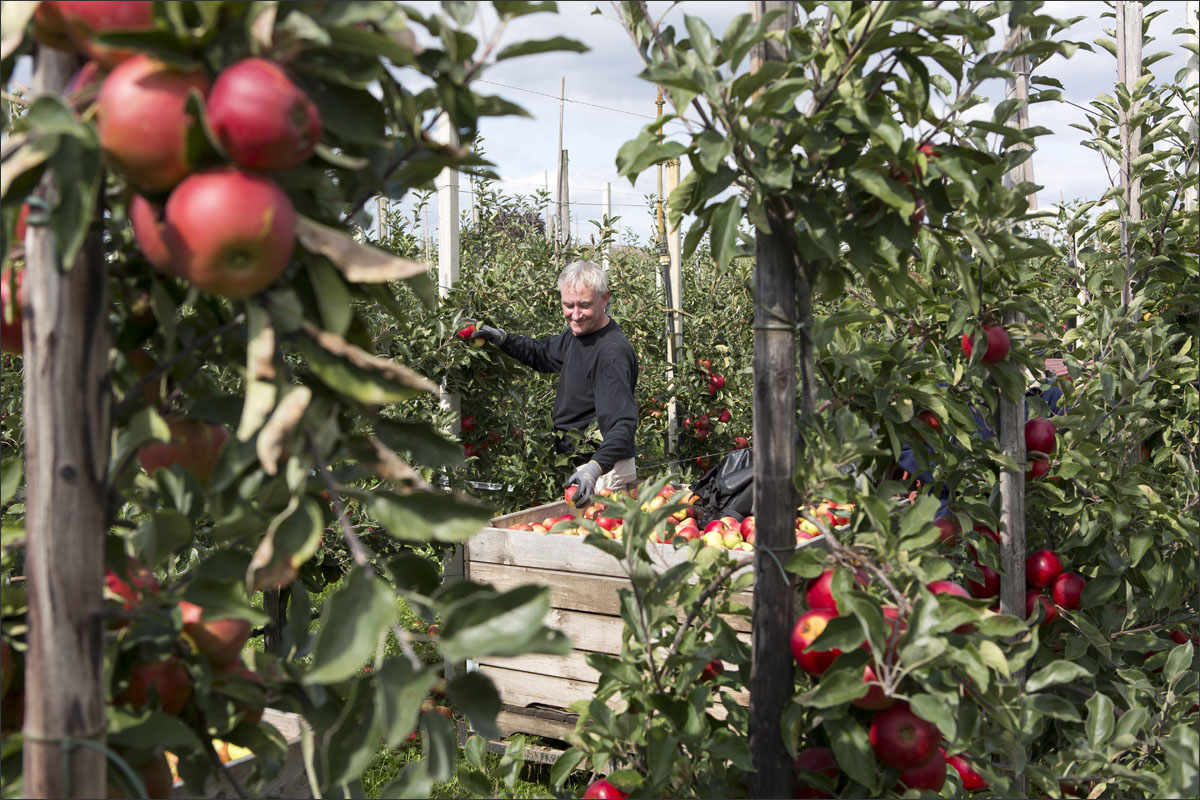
x: 597, y: 374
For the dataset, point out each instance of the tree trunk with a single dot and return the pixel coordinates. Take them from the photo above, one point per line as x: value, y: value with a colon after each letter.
x: 67, y: 432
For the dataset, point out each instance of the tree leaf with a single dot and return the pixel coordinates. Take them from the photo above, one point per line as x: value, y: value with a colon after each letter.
x: 852, y: 750
x: 564, y: 765
x: 1100, y: 721
x: 1056, y: 672
x: 726, y: 219
x: 402, y: 691
x: 427, y: 516
x: 283, y: 422
x: 355, y: 616
x: 474, y: 694
x: 361, y: 263
x: 508, y: 624
x: 291, y: 539
x: 552, y: 45
x: 261, y: 389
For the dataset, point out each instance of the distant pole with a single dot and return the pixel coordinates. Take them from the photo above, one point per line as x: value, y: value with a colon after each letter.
x: 782, y: 297
x: 564, y: 202
x: 1129, y: 69
x: 605, y: 213
x: 448, y: 238
x: 381, y: 218
x: 558, y: 211
x: 1192, y: 85
x: 675, y: 307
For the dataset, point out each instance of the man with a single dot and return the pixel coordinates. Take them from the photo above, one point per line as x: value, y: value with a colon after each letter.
x: 597, y: 371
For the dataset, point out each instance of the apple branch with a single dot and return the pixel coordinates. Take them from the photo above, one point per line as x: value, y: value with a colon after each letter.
x: 357, y: 551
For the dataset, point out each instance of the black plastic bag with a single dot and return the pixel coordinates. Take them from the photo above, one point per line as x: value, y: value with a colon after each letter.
x: 727, y: 489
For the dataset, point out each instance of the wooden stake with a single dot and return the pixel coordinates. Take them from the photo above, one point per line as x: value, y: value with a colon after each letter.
x: 560, y: 231
x: 1129, y: 69
x: 675, y: 306
x: 68, y: 399
x: 775, y: 287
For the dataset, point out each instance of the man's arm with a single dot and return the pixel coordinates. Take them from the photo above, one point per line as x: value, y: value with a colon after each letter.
x: 543, y: 355
x: 616, y: 411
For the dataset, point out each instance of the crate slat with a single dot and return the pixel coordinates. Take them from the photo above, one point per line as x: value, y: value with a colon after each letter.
x: 573, y: 665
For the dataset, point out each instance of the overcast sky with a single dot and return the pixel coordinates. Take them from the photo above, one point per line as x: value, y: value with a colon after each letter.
x: 607, y: 104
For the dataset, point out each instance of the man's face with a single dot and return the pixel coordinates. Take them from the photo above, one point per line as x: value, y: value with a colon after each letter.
x: 583, y: 309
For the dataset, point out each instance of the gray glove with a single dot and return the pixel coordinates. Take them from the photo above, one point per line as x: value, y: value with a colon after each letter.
x: 585, y: 478
x: 487, y: 332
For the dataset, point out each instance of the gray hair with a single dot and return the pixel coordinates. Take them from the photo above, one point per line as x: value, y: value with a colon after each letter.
x: 586, y: 273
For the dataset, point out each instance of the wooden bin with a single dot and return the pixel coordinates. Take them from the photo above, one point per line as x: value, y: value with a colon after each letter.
x: 292, y: 781
x: 583, y: 582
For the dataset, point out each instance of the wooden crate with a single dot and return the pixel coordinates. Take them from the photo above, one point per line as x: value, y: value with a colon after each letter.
x: 537, y: 689
x: 292, y: 781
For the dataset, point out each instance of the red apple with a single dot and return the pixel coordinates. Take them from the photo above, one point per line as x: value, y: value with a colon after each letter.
x: 1067, y: 590
x: 901, y: 739
x: 948, y: 526
x: 809, y: 627
x: 467, y: 332
x: 930, y: 419
x: 264, y: 120
x: 609, y: 523
x: 230, y: 232
x: 874, y: 699
x: 1037, y: 468
x: 740, y: 443
x: 169, y: 678
x: 930, y: 776
x: 711, y: 670
x: 142, y: 121
x: 749, y: 529
x: 968, y: 776
x: 1040, y: 436
x: 138, y: 582
x: 251, y: 712
x: 603, y: 790
x: 219, y: 640
x: 20, y: 228
x: 12, y: 297
x: 948, y: 587
x: 1050, y: 611
x: 1042, y: 568
x: 814, y: 759
x: 725, y: 415
x: 819, y: 593
x: 570, y: 492
x: 998, y: 344
x: 148, y: 230
x: 468, y: 424
x: 195, y: 446
x: 990, y: 586
x: 521, y: 526
x: 83, y: 20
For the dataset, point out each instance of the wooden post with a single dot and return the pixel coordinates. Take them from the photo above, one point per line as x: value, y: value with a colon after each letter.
x: 775, y: 289
x: 1011, y: 422
x: 605, y: 213
x: 1011, y: 417
x: 381, y: 225
x: 675, y: 295
x: 1192, y: 84
x: 564, y: 201
x: 1129, y: 69
x: 67, y: 397
x: 560, y: 230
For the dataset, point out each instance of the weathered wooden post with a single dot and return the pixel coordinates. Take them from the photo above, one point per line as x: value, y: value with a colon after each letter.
x: 448, y: 264
x: 775, y: 276
x: 1192, y: 84
x: 1129, y: 69
x: 67, y: 433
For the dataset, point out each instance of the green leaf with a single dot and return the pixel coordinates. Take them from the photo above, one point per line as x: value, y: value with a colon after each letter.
x: 475, y: 695
x: 506, y: 624
x: 852, y: 750
x: 564, y: 765
x: 421, y: 441
x: 726, y: 219
x: 1179, y: 660
x: 358, y: 613
x: 10, y: 477
x: 358, y: 379
x: 332, y: 295
x: 414, y: 781
x: 932, y: 708
x: 840, y: 684
x: 1100, y: 723
x: 1182, y: 756
x: 1051, y: 706
x: 886, y: 189
x: 552, y: 45
x: 841, y: 633
x: 402, y: 691
x: 134, y: 730
x: 291, y: 539
x: 1056, y: 672
x: 427, y: 516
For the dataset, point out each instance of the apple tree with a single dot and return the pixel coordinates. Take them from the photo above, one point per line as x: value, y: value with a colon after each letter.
x: 182, y: 181
x: 855, y: 146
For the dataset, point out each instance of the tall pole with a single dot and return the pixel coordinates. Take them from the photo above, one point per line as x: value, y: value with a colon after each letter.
x: 68, y: 407
x: 1129, y: 69
x: 1011, y: 422
x: 1192, y: 85
x: 560, y: 234
x: 605, y: 214
x: 448, y: 243
x: 675, y: 307
x: 380, y: 218
x: 776, y: 276
x: 664, y: 281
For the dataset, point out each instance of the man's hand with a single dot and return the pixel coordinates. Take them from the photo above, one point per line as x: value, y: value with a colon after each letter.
x: 585, y: 478
x: 481, y: 331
